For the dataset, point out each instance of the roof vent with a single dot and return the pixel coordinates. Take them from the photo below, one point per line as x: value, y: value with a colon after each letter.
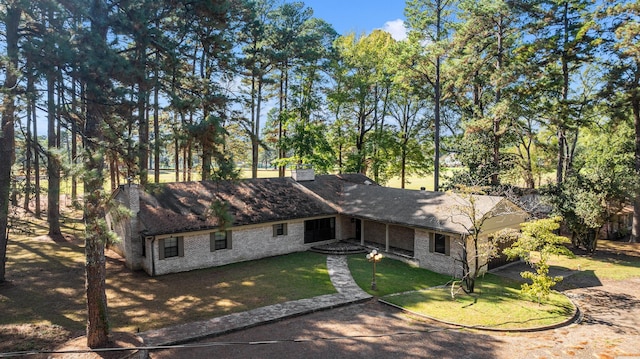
x: 368, y: 183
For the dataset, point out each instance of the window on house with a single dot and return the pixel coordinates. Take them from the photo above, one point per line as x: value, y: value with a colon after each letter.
x: 280, y: 229
x: 144, y: 246
x: 220, y: 240
x: 439, y: 244
x: 171, y: 247
x: 317, y: 230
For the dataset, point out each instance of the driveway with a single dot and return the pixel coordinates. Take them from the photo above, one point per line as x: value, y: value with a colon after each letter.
x: 609, y: 329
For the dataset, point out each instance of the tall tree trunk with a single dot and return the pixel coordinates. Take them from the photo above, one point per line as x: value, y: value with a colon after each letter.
x: 176, y: 156
x: 156, y: 130
x: 112, y: 172
x: 562, y: 164
x: 635, y: 105
x: 143, y: 133
x: 255, y: 138
x: 497, y: 136
x: 436, y: 101
x: 95, y: 233
x: 28, y: 144
x: 74, y: 140
x: 7, y: 130
x: 53, y: 161
x: 281, y: 152
x: 36, y: 161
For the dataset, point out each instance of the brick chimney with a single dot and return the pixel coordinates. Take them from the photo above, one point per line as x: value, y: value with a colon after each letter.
x: 303, y: 174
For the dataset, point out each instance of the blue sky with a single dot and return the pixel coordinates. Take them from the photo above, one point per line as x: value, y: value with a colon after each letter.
x: 360, y: 16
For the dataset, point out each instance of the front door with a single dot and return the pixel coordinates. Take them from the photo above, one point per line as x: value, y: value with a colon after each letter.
x: 358, y: 224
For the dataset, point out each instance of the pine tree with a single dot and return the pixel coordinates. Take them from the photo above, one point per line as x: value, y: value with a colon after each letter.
x: 7, y: 130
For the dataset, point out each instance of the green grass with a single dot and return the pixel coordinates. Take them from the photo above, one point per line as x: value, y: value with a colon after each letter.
x: 496, y: 303
x: 392, y: 276
x: 46, y: 286
x: 612, y: 260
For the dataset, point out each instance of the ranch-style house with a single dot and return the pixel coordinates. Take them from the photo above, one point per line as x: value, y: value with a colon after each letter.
x: 184, y: 226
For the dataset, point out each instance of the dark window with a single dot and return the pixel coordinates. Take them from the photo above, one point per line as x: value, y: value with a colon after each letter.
x: 280, y: 229
x: 317, y: 230
x: 144, y: 246
x: 170, y: 247
x: 440, y: 243
x: 220, y: 240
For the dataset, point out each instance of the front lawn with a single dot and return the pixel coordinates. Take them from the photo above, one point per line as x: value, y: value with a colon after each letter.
x: 496, y: 303
x: 612, y: 260
x: 392, y: 276
x: 45, y: 290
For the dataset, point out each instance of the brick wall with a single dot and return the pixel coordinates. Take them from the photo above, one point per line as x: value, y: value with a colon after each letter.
x: 437, y: 262
x: 247, y: 243
x: 129, y: 245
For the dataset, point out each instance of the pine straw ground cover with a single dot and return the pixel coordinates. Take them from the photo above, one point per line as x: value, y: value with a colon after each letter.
x: 42, y: 303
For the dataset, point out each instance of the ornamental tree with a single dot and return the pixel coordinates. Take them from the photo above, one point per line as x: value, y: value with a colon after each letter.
x: 535, y: 244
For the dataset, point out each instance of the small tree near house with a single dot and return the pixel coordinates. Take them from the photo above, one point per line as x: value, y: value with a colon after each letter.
x: 538, y: 237
x: 477, y: 248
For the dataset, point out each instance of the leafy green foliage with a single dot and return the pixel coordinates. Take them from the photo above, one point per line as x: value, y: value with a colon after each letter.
x: 589, y: 198
x: 538, y: 237
x: 220, y: 210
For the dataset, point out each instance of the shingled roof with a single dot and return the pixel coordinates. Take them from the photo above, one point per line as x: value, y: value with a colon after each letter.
x: 185, y: 206
x: 358, y: 196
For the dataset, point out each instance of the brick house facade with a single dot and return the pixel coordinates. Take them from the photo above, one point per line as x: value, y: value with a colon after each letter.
x: 175, y: 228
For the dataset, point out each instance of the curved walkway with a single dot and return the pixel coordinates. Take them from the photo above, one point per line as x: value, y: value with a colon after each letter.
x: 348, y: 292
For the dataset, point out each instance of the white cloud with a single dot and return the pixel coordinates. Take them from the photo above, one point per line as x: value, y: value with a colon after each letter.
x: 396, y: 28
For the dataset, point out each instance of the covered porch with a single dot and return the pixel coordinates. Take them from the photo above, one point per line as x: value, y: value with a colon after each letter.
x: 389, y: 238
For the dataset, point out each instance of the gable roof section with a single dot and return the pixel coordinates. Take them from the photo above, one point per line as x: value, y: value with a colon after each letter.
x: 185, y: 206
x: 330, y: 188
x: 440, y: 211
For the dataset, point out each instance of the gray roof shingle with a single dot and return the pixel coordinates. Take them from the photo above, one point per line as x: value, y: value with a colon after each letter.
x: 185, y: 206
x: 421, y: 209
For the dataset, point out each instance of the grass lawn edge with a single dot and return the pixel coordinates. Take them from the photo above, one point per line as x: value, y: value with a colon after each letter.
x: 574, y: 319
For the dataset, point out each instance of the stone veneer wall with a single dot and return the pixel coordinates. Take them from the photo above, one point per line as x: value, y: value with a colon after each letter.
x: 127, y: 229
x: 437, y: 262
x: 247, y: 243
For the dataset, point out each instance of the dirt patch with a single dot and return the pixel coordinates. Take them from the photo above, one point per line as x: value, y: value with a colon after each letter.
x: 60, y: 238
x: 611, y: 310
x: 26, y: 337
x: 77, y: 348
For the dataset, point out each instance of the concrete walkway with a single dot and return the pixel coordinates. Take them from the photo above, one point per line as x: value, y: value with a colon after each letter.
x: 348, y: 292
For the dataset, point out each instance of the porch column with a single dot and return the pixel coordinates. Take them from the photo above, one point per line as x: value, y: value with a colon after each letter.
x: 386, y: 237
x: 362, y: 232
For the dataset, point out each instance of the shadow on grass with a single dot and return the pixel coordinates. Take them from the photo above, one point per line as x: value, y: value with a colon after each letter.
x: 46, y: 286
